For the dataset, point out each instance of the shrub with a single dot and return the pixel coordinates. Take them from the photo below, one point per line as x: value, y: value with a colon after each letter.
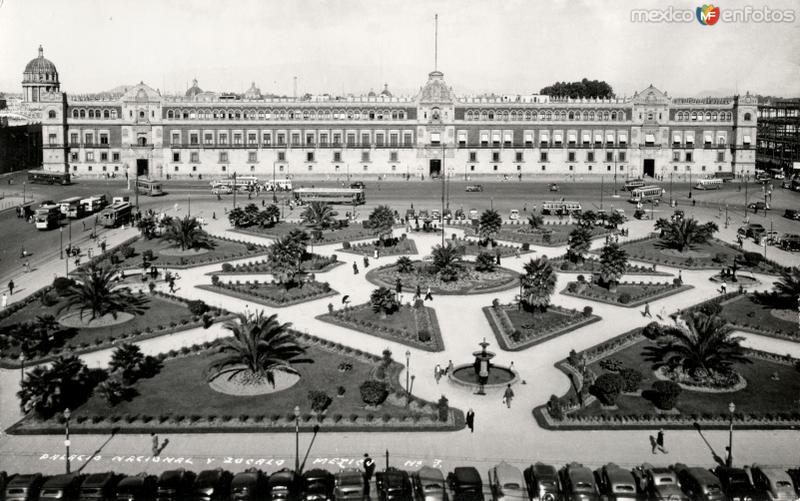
x: 127, y: 251
x: 227, y: 267
x: 345, y: 245
x: 752, y: 258
x: 250, y: 246
x: 581, y: 278
x: 631, y: 379
x: 711, y: 309
x: 485, y: 261
x: 652, y: 331
x: 424, y: 336
x: 624, y: 298
x: 151, y: 286
x: 319, y: 400
x: 495, y: 303
x: 340, y: 390
x: 419, y: 303
x: 147, y: 255
x: 443, y: 408
x: 373, y: 392
x: 587, y: 311
x: 526, y: 247
x: 611, y: 364
x: 516, y: 336
x: 666, y: 394
x: 555, y: 408
x: 607, y: 387
x: 197, y: 306
x: 50, y: 299
x: 61, y: 284
x: 214, y: 280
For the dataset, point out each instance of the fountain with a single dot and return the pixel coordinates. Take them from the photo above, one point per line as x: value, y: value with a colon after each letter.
x: 482, y: 374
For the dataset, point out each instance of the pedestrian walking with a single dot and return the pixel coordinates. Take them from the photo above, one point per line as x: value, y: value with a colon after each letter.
x: 437, y: 371
x: 369, y: 470
x: 154, y: 439
x: 450, y: 367
x: 355, y: 268
x: 471, y: 420
x: 418, y: 293
x: 428, y: 295
x: 376, y: 254
x: 4, y: 301
x: 646, y: 312
x: 723, y: 288
x: 680, y: 277
x: 366, y: 262
x: 508, y: 395
x: 516, y: 252
x: 660, y: 442
x: 27, y: 266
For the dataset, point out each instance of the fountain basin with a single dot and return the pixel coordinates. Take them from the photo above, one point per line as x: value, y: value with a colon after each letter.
x: 499, y: 376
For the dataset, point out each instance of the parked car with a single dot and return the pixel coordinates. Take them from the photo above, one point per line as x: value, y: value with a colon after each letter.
x: 248, y: 485
x: 349, y: 484
x: 100, y: 486
x: 466, y: 484
x: 393, y: 485
x: 578, y: 483
x: 428, y: 484
x: 752, y: 230
x: 792, y: 214
x: 736, y: 484
x: 474, y: 188
x: 554, y: 187
x: 757, y: 206
x: 473, y: 214
x: 212, y: 485
x: 794, y: 474
x: 617, y: 484
x: 317, y: 485
x: 507, y: 483
x: 513, y: 215
x: 542, y: 482
x: 284, y: 484
x: 64, y: 487
x: 175, y: 485
x: 410, y: 214
x: 699, y: 483
x: 658, y: 483
x: 141, y: 487
x: 773, y: 483
x: 435, y: 215
x: 24, y: 487
x: 4, y: 478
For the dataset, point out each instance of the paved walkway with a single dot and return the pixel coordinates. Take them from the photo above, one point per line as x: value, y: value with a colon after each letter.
x: 501, y: 433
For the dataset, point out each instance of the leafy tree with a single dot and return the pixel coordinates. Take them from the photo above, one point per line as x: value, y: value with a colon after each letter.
x: 489, y: 224
x: 188, y: 233
x: 270, y: 215
x: 260, y: 346
x: 318, y: 215
x: 285, y: 258
x: 94, y: 292
x: 404, y: 264
x: 447, y: 261
x: 607, y: 387
x: 147, y: 227
x: 538, y: 284
x: 588, y: 218
x: 373, y: 392
x: 579, y: 241
x: 238, y: 218
x: 49, y: 390
x: 684, y: 233
x: 584, y: 89
x: 787, y: 288
x: 704, y: 347
x: 615, y: 219
x: 535, y: 221
x: 381, y: 219
x: 485, y: 261
x: 613, y: 263
x: 383, y: 301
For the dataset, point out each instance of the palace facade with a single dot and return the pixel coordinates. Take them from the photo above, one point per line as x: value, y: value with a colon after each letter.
x: 432, y: 133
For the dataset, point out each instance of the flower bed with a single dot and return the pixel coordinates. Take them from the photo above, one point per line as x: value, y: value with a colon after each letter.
x: 402, y: 247
x: 762, y: 404
x: 272, y: 294
x: 592, y: 265
x: 628, y: 294
x: 744, y: 313
x: 411, y: 326
x: 516, y: 329
x: 471, y: 247
x: 470, y: 282
x: 179, y: 400
x: 349, y: 233
x: 312, y: 263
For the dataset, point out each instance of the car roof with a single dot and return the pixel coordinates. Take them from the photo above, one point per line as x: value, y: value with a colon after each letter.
x: 580, y: 473
x: 507, y: 473
x: 467, y: 475
x: 282, y: 476
x: 317, y: 473
x: 702, y: 475
x: 62, y: 480
x: 208, y: 477
x: 98, y: 479
x: 775, y: 474
x: 618, y: 474
x: 543, y: 470
x: 24, y: 480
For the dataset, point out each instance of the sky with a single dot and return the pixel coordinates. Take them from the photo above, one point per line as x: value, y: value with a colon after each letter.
x: 352, y: 46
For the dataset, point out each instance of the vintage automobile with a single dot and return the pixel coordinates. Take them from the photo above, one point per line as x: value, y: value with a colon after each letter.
x: 64, y: 487
x: 542, y: 482
x: 617, y: 484
x: 141, y: 487
x: 659, y: 483
x: 790, y: 242
x: 428, y: 484
x: 212, y: 485
x: 474, y: 188
x: 513, y: 215
x: 393, y: 485
x: 792, y: 214
x: 317, y: 485
x: 736, y: 484
x: 248, y: 485
x: 349, y: 484
x: 507, y: 483
x: 773, y: 483
x: 758, y: 206
x: 100, y: 486
x: 794, y: 474
x: 466, y: 484
x: 24, y: 487
x: 175, y: 485
x: 554, y: 187
x: 473, y: 214
x: 752, y: 230
x: 284, y: 484
x: 699, y: 483
x: 578, y: 483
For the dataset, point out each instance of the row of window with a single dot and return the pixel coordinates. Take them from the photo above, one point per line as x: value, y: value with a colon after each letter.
x: 545, y: 115
x: 710, y: 116
x: 293, y: 139
x: 89, y: 156
x: 252, y: 114
x: 90, y: 113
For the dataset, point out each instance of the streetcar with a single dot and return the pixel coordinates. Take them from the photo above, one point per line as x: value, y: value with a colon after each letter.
x: 239, y: 183
x: 278, y: 185
x: 561, y: 208
x: 94, y: 204
x: 709, y: 184
x: 71, y: 207
x: 149, y: 187
x: 46, y: 217
x: 116, y: 214
x: 632, y: 184
x: 347, y: 196
x: 651, y: 193
x: 48, y: 177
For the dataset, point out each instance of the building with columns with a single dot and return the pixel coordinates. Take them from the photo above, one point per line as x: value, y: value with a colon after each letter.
x: 434, y: 133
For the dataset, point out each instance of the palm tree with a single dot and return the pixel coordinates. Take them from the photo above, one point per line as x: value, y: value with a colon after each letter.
x: 260, y: 346
x: 684, y: 233
x: 94, y: 292
x: 613, y: 263
x: 489, y: 224
x: 588, y: 218
x: 404, y: 264
x: 127, y: 359
x: 787, y: 288
x: 251, y: 214
x: 383, y: 301
x: 66, y: 383
x: 318, y: 215
x: 285, y: 258
x: 237, y: 217
x: 270, y: 215
x: 538, y: 284
x: 579, y: 241
x: 447, y: 261
x: 615, y: 219
x: 188, y: 233
x: 535, y: 221
x: 381, y: 219
x: 702, y: 348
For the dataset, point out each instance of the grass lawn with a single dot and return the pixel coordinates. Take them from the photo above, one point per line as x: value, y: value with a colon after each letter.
x: 546, y: 235
x: 592, y: 265
x: 167, y: 255
x: 162, y: 313
x: 404, y: 246
x: 472, y: 247
x: 312, y: 263
x: 517, y: 329
x: 745, y: 312
x: 346, y: 234
x: 628, y: 294
x: 273, y: 294
x: 416, y: 327
x: 470, y: 281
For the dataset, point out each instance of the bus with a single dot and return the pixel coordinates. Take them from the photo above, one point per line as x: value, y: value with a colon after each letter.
x: 149, y: 187
x: 646, y: 194
x: 278, y: 185
x: 632, y: 184
x: 116, y: 215
x: 94, y: 204
x: 725, y: 175
x: 48, y: 177
x: 47, y: 216
x: 350, y: 196
x: 240, y: 183
x: 709, y: 184
x: 71, y: 207
x: 561, y: 208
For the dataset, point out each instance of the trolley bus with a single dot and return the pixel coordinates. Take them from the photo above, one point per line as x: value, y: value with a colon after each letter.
x: 646, y: 194
x: 278, y: 185
x: 47, y: 216
x: 347, y: 196
x: 116, y: 215
x: 71, y: 207
x: 48, y: 177
x: 149, y: 187
x: 632, y: 184
x: 561, y: 208
x: 239, y: 183
x: 709, y: 184
x: 94, y: 204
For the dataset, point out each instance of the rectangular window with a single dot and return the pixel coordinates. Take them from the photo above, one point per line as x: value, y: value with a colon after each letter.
x: 676, y: 156
x: 323, y: 139
x: 208, y: 139
x: 73, y: 156
x: 223, y: 156
x: 223, y: 139
x: 571, y: 156
x: 266, y: 139
x: 310, y: 139
x: 337, y: 139
x: 51, y: 139
x: 104, y: 156
x: 495, y: 156
x: 89, y: 156
x: 337, y: 156
x: 407, y: 140
x: 364, y: 139
x: 720, y: 156
x: 379, y: 140
x: 295, y: 139
x: 176, y: 139
x: 393, y: 156
x: 281, y: 157
x: 115, y: 157
x: 252, y: 156
x: 688, y: 156
x: 365, y: 156
x: 519, y: 156
x: 609, y: 156
x: 281, y: 139
x: 89, y: 138
x: 393, y: 139
x: 473, y: 156
x: 73, y: 139
x: 104, y: 139
x: 176, y: 156
x: 309, y: 156
x: 252, y: 139
x: 621, y: 156
x: 590, y: 156
x: 194, y: 157
x: 237, y: 139
x: 543, y: 156
x: 351, y: 140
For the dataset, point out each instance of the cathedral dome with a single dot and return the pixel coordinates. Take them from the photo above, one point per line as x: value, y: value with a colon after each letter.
x: 40, y: 69
x: 194, y: 89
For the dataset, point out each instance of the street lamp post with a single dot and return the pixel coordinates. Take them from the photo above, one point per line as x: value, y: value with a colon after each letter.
x: 729, y: 460
x: 274, y: 186
x: 61, y: 242
x: 726, y: 215
x: 234, y: 190
x: 296, y: 438
x: 670, y: 188
x: 67, y: 414
x: 23, y: 192
x: 21, y: 367
x: 408, y: 374
x: 411, y: 388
